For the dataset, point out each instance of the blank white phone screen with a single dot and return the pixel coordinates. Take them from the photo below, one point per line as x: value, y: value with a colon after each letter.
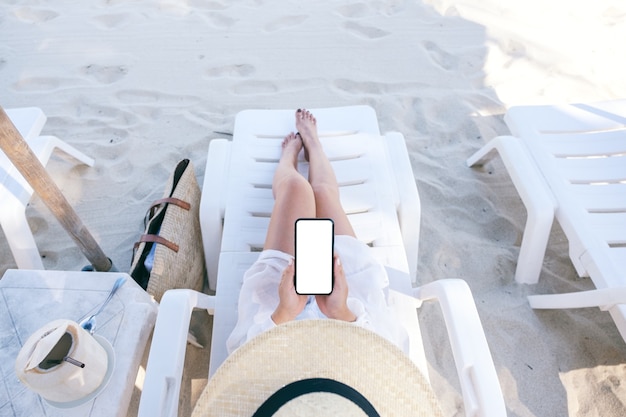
x: 314, y: 256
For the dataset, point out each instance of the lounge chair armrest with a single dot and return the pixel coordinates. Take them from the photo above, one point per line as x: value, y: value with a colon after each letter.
x: 212, y: 204
x: 167, y: 353
x: 535, y: 194
x: 408, y: 206
x: 482, y: 394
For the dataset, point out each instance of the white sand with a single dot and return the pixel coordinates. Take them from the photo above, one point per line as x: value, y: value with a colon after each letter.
x: 142, y: 84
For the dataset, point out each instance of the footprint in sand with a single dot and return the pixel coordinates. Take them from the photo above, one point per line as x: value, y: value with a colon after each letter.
x: 442, y: 58
x: 219, y: 20
x: 515, y: 49
x: 110, y: 21
x: 106, y: 74
x: 284, y: 23
x: 121, y: 170
x: 353, y: 11
x: 252, y: 88
x: 38, y: 84
x: 236, y: 70
x: 149, y: 97
x: 447, y: 261
x: 367, y: 32
x: 112, y: 135
x: 31, y: 15
x: 360, y: 87
x: 211, y: 5
x: 137, y: 96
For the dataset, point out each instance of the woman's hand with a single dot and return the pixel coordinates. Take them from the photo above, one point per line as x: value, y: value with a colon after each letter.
x: 335, y: 305
x: 291, y: 303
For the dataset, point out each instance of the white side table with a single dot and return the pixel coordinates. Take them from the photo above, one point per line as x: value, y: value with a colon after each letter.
x: 31, y: 298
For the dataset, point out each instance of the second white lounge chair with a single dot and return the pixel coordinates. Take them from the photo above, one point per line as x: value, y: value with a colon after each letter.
x: 569, y: 161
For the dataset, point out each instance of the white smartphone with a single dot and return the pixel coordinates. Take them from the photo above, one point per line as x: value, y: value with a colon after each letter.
x: 314, y: 256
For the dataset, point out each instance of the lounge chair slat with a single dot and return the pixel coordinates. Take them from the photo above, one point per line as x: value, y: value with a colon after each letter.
x: 593, y: 170
x: 586, y: 144
x: 602, y: 198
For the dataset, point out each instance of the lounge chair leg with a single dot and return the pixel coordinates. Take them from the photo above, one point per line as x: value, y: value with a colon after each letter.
x: 604, y: 298
x: 536, y: 196
x: 19, y: 236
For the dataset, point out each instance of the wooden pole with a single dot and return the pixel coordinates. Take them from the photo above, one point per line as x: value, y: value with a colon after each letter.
x: 19, y: 153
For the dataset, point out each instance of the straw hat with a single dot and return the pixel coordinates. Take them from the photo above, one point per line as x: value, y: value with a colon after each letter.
x: 354, y: 364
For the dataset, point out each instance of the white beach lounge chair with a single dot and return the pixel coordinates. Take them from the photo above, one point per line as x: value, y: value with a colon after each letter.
x: 379, y: 194
x: 15, y: 192
x: 570, y: 161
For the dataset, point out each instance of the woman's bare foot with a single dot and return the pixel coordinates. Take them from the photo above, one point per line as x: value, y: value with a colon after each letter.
x: 307, y: 130
x: 291, y: 148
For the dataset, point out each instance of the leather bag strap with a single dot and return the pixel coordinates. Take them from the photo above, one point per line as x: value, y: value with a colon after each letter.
x: 158, y: 239
x: 156, y: 206
x: 171, y: 200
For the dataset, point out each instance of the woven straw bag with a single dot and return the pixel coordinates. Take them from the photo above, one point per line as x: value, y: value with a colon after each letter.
x: 169, y: 253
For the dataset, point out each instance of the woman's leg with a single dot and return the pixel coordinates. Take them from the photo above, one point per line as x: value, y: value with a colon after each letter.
x: 321, y: 175
x: 293, y: 199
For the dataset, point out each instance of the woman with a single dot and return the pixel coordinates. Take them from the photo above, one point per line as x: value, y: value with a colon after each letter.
x: 268, y: 297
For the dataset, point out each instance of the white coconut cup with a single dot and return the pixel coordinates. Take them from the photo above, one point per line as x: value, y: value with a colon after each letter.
x: 62, y: 381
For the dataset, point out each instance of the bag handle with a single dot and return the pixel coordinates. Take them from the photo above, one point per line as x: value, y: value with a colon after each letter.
x: 171, y: 200
x: 156, y: 205
x: 157, y: 239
